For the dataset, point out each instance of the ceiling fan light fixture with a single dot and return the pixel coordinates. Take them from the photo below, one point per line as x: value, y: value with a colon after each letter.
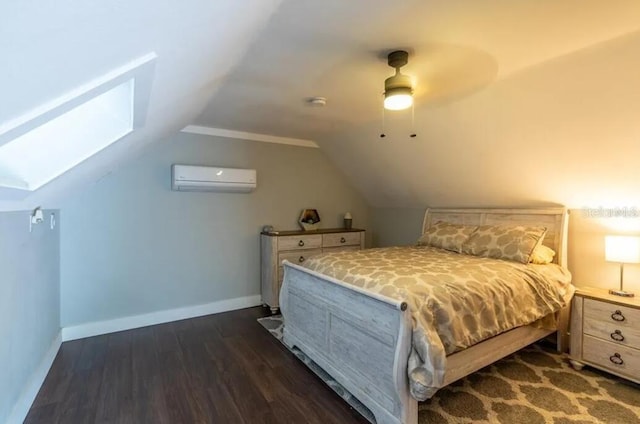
x: 398, y: 92
x: 398, y: 98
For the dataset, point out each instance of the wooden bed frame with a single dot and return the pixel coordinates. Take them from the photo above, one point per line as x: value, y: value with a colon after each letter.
x: 363, y: 339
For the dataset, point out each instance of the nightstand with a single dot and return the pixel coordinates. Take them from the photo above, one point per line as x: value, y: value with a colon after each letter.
x: 296, y: 247
x: 605, y: 332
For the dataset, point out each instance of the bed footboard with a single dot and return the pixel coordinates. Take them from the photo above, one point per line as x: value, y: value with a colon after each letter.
x: 361, y: 339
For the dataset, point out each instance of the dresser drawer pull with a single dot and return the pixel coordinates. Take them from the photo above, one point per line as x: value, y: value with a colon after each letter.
x: 617, y: 336
x: 343, y: 240
x: 617, y: 316
x: 301, y: 243
x: 616, y: 359
x: 301, y: 259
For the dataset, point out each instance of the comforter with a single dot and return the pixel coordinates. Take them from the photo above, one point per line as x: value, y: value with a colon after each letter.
x: 455, y: 300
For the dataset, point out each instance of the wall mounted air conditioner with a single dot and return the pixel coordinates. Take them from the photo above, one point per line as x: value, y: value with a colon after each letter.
x: 211, y: 178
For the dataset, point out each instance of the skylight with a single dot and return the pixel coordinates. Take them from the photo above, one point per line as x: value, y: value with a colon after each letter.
x: 59, y: 138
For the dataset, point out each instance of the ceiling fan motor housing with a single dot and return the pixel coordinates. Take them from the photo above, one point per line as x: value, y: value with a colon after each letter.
x: 398, y: 83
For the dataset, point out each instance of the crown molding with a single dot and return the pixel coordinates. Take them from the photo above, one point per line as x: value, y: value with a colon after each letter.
x: 241, y: 135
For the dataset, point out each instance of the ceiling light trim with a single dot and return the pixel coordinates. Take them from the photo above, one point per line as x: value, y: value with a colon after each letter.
x: 242, y: 135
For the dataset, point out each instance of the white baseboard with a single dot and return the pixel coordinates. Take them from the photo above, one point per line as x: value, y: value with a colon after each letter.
x: 136, y: 321
x: 22, y: 406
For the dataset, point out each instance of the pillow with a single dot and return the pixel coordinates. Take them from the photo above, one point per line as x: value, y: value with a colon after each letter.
x: 510, y: 242
x: 446, y: 236
x: 542, y: 255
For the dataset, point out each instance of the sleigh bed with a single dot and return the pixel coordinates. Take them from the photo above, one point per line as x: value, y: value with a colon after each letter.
x: 366, y: 341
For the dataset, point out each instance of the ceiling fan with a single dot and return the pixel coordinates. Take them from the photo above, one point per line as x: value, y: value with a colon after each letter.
x: 398, y: 90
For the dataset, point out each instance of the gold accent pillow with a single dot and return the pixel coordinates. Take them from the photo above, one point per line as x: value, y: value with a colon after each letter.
x: 513, y: 243
x: 446, y: 236
x: 542, y: 255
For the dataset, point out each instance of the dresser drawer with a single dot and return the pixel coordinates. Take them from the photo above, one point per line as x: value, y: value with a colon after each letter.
x: 313, y: 241
x: 619, y: 359
x: 340, y: 249
x: 298, y: 257
x: 341, y: 239
x: 622, y: 316
x: 296, y: 247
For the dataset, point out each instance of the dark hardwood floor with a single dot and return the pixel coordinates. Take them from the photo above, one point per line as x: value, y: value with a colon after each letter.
x: 222, y: 368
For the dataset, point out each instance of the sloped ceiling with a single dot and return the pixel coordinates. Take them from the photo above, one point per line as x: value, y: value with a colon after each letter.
x: 564, y: 132
x: 517, y: 102
x: 48, y: 48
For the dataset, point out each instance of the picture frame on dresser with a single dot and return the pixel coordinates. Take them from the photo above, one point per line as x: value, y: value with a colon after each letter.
x: 309, y: 220
x: 605, y: 333
x: 297, y: 246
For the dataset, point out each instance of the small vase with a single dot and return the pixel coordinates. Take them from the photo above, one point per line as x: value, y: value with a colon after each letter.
x: 347, y: 221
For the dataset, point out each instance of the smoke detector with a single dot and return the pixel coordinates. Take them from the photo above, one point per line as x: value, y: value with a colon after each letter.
x: 317, y: 101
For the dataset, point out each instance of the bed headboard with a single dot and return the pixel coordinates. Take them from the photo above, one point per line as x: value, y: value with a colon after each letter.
x: 555, y: 219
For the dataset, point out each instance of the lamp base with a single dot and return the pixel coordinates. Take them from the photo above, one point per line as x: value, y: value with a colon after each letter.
x: 621, y: 293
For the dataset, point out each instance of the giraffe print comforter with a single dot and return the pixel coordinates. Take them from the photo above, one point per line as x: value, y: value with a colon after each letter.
x: 455, y: 300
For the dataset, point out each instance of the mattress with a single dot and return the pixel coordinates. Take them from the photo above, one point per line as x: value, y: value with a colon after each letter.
x: 455, y: 300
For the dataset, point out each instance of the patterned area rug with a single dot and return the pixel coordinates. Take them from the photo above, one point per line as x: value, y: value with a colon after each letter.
x: 534, y: 385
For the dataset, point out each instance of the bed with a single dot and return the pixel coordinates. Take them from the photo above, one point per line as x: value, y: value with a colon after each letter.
x: 364, y: 339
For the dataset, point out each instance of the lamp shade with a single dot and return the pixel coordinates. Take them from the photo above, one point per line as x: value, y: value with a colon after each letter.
x: 623, y: 249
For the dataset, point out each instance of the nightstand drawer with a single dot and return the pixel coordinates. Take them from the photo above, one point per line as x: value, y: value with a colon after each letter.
x: 313, y: 241
x: 612, y: 332
x: 622, y: 316
x: 341, y: 239
x: 614, y: 357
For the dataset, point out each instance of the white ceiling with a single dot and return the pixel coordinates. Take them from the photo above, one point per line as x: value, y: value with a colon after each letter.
x: 249, y: 65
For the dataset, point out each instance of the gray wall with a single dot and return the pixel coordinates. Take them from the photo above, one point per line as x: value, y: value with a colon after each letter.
x: 130, y: 245
x: 396, y: 226
x: 29, y: 301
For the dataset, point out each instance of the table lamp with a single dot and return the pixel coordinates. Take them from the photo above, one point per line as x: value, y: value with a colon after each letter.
x: 624, y: 250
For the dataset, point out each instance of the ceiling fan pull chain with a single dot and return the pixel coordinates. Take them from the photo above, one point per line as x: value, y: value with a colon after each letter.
x: 413, y: 121
x: 382, y: 134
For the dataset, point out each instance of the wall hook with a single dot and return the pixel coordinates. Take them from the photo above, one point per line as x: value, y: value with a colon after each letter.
x: 36, y: 217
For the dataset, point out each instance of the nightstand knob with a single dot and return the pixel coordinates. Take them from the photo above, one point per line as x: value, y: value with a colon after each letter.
x: 343, y: 240
x: 617, y: 316
x: 617, y: 336
x: 301, y: 243
x: 301, y: 259
x: 616, y: 359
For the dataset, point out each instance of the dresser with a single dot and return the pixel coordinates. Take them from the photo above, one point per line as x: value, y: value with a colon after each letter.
x: 296, y: 247
x: 605, y: 332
